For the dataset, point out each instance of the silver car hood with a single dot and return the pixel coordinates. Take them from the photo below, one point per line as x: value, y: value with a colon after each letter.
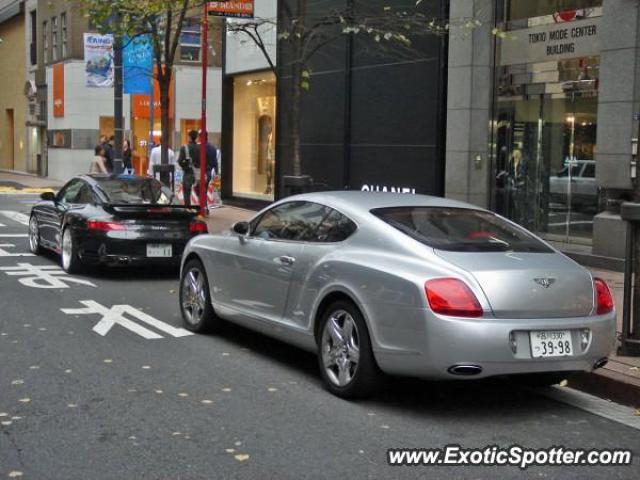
x: 528, y: 285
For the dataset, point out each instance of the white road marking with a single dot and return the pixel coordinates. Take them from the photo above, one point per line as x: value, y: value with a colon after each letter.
x: 16, y: 216
x: 4, y: 253
x: 13, y: 235
x: 116, y: 315
x: 43, y: 276
x: 2, y: 225
x: 595, y: 405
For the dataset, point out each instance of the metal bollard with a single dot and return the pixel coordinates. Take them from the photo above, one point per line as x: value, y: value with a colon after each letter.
x: 630, y: 342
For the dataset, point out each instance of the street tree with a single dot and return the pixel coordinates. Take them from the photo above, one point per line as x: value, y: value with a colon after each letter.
x: 162, y: 21
x: 309, y: 27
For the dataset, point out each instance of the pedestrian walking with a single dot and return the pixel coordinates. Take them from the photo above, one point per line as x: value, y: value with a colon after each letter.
x: 189, y: 162
x: 126, y: 156
x: 156, y: 158
x: 108, y: 152
x: 99, y: 164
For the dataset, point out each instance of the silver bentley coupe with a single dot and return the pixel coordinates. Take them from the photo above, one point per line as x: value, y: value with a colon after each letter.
x: 401, y: 284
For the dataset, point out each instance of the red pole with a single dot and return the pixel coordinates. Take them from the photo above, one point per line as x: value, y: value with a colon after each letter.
x: 203, y: 123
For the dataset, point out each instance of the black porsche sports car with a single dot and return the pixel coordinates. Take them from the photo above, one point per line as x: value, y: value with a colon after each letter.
x: 112, y: 220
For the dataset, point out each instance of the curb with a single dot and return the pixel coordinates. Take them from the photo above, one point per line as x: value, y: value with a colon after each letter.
x: 609, y: 385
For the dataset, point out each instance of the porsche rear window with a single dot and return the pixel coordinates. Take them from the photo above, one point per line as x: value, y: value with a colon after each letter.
x: 134, y: 191
x: 459, y: 229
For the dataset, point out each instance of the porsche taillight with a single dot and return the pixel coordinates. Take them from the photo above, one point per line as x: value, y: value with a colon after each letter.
x: 604, y: 300
x: 197, y: 227
x: 101, y: 226
x: 451, y: 296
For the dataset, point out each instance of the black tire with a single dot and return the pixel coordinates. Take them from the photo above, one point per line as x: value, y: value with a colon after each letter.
x: 545, y: 379
x: 34, y: 236
x: 197, y: 312
x: 70, y: 260
x: 364, y: 378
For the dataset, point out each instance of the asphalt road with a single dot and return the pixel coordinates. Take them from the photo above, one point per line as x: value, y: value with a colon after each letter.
x: 76, y: 404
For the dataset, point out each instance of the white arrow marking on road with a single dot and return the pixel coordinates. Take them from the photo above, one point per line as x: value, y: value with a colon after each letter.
x: 4, y: 253
x: 16, y: 216
x: 116, y: 315
x: 43, y: 276
x: 2, y: 225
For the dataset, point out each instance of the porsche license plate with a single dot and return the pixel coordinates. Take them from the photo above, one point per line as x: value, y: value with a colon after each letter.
x: 159, y: 250
x: 551, y: 343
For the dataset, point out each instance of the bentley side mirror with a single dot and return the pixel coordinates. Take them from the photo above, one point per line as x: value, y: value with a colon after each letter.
x: 48, y: 196
x: 241, y: 228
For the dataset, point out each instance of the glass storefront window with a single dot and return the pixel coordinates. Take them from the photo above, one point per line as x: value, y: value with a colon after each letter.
x: 545, y: 117
x: 254, y: 135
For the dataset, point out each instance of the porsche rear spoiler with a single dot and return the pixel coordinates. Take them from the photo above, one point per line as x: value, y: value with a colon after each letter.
x: 129, y: 209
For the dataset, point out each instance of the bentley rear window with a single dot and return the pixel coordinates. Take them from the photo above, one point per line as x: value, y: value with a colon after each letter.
x: 460, y: 229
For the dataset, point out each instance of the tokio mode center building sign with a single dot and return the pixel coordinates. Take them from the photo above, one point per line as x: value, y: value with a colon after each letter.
x: 557, y: 41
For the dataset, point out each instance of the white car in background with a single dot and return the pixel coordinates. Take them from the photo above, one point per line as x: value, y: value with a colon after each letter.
x: 584, y: 190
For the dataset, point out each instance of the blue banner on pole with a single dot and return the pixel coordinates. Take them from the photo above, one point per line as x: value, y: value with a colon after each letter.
x: 137, y: 62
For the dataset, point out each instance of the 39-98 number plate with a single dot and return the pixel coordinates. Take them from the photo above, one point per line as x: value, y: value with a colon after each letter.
x: 551, y: 343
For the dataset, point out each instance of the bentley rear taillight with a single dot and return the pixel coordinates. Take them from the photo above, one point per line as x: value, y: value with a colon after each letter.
x: 604, y: 300
x: 451, y: 296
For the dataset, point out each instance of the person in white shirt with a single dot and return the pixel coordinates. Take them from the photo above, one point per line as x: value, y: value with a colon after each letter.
x: 156, y: 158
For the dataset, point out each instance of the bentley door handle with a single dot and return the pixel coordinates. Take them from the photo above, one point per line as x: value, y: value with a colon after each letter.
x: 287, y: 260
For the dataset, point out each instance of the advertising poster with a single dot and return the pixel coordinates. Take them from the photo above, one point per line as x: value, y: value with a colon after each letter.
x: 138, y: 65
x: 98, y: 58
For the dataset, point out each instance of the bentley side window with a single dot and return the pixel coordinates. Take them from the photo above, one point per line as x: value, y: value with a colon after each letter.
x: 335, y: 228
x: 294, y: 221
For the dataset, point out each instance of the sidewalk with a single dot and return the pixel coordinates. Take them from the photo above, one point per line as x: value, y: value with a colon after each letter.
x: 16, y: 182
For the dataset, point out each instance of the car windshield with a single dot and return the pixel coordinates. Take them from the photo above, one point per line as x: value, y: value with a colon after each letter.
x: 134, y: 191
x: 460, y: 229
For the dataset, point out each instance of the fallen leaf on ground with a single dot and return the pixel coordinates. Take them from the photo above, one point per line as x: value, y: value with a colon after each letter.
x: 146, y: 367
x: 72, y: 405
x: 272, y: 389
x: 27, y: 325
x: 634, y: 368
x: 42, y: 329
x: 132, y: 390
x: 241, y: 457
x: 24, y: 400
x: 637, y: 412
x: 386, y: 427
x: 172, y: 291
x: 159, y: 392
x: 175, y: 434
x: 108, y: 360
x: 237, y: 444
x: 563, y: 383
x: 15, y: 419
x: 207, y: 402
x: 183, y: 394
x: 15, y: 474
x: 226, y: 389
x: 68, y: 371
x: 4, y: 414
x: 34, y: 367
x: 6, y: 423
x: 17, y: 382
x: 230, y: 450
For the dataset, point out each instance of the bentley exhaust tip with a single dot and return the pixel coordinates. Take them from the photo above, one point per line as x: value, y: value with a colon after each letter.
x: 600, y: 363
x: 465, y: 370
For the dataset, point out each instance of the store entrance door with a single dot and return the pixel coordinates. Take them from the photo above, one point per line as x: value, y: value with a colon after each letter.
x: 546, y: 146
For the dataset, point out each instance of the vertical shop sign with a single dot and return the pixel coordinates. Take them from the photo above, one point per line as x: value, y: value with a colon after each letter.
x: 98, y: 59
x: 138, y: 65
x: 58, y: 90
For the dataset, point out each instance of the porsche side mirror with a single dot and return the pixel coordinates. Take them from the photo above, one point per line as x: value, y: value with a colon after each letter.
x: 48, y: 196
x: 241, y: 228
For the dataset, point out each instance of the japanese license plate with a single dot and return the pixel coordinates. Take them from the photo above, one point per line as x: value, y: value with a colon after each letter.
x: 159, y: 250
x: 551, y: 343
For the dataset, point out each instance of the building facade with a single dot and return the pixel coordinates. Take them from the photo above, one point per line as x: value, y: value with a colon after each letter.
x: 529, y: 110
x: 78, y: 115
x: 541, y: 116
x: 13, y: 103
